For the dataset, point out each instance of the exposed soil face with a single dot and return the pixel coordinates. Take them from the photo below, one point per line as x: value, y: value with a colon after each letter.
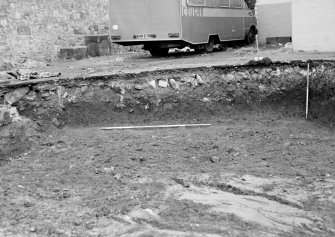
x: 260, y: 169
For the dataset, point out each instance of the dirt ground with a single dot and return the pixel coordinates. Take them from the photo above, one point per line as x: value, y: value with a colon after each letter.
x: 251, y: 173
x: 134, y: 62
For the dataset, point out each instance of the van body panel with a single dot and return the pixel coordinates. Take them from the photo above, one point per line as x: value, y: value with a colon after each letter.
x: 190, y: 22
x: 146, y: 19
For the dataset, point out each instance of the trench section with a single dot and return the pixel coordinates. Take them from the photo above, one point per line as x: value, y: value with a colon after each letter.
x: 183, y: 94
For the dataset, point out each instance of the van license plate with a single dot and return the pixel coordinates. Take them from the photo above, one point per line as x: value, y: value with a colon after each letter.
x: 145, y: 36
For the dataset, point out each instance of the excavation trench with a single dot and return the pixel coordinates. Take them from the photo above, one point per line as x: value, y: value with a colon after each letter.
x: 183, y: 94
x: 189, y: 95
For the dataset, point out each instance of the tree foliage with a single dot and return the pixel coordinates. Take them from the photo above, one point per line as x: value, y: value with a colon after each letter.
x: 251, y: 3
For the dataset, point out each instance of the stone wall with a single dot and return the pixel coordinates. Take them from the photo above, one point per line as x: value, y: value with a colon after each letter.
x: 37, y: 29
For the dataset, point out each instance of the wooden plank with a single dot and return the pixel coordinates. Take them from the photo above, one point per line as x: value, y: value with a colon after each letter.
x: 157, y: 126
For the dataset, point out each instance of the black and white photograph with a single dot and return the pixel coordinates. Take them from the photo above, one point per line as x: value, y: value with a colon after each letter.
x: 167, y: 118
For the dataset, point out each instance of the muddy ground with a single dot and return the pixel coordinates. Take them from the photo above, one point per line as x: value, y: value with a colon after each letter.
x: 260, y: 169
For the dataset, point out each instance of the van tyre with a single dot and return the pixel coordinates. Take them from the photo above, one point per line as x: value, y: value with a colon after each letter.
x: 251, y: 37
x: 159, y: 52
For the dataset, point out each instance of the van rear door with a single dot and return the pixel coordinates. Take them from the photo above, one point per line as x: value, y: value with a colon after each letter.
x: 144, y: 20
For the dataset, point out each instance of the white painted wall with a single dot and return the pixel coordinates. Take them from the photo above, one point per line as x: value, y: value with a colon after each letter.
x: 313, y: 25
x: 262, y: 2
x: 274, y: 19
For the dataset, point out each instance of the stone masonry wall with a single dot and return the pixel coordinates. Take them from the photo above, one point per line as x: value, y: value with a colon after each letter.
x: 36, y: 29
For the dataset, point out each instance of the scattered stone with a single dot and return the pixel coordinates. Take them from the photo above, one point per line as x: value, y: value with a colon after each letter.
x: 194, y: 83
x: 77, y: 222
x: 174, y: 84
x: 123, y: 91
x: 120, y: 105
x: 286, y: 144
x: 32, y: 229
x: 138, y: 87
x: 66, y: 193
x: 199, y: 79
x: 28, y: 204
x: 56, y: 123
x: 45, y: 95
x: 206, y: 100
x: 153, y: 83
x: 214, y: 159
x: 121, y: 99
x: 230, y: 77
x: 231, y: 150
x: 16, y: 95
x: 5, y: 117
x: 84, y: 88
x: 262, y: 88
x: 163, y: 83
x: 117, y: 176
x: 31, y: 96
x: 244, y: 75
x: 143, y: 159
x: 109, y: 170
x: 236, y: 154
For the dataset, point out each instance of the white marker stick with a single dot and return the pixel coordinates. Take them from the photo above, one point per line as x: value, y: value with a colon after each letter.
x: 157, y: 126
x: 307, y: 92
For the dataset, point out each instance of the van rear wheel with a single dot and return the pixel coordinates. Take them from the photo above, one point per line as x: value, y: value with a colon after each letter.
x: 251, y: 37
x: 159, y: 52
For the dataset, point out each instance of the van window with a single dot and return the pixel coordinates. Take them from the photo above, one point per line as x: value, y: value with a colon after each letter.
x: 196, y: 3
x: 224, y: 3
x: 236, y: 3
x: 208, y: 3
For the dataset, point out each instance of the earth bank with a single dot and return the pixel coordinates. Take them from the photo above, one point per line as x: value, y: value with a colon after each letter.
x: 136, y: 98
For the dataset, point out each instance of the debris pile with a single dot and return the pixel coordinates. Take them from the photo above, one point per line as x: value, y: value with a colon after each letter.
x: 25, y: 75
